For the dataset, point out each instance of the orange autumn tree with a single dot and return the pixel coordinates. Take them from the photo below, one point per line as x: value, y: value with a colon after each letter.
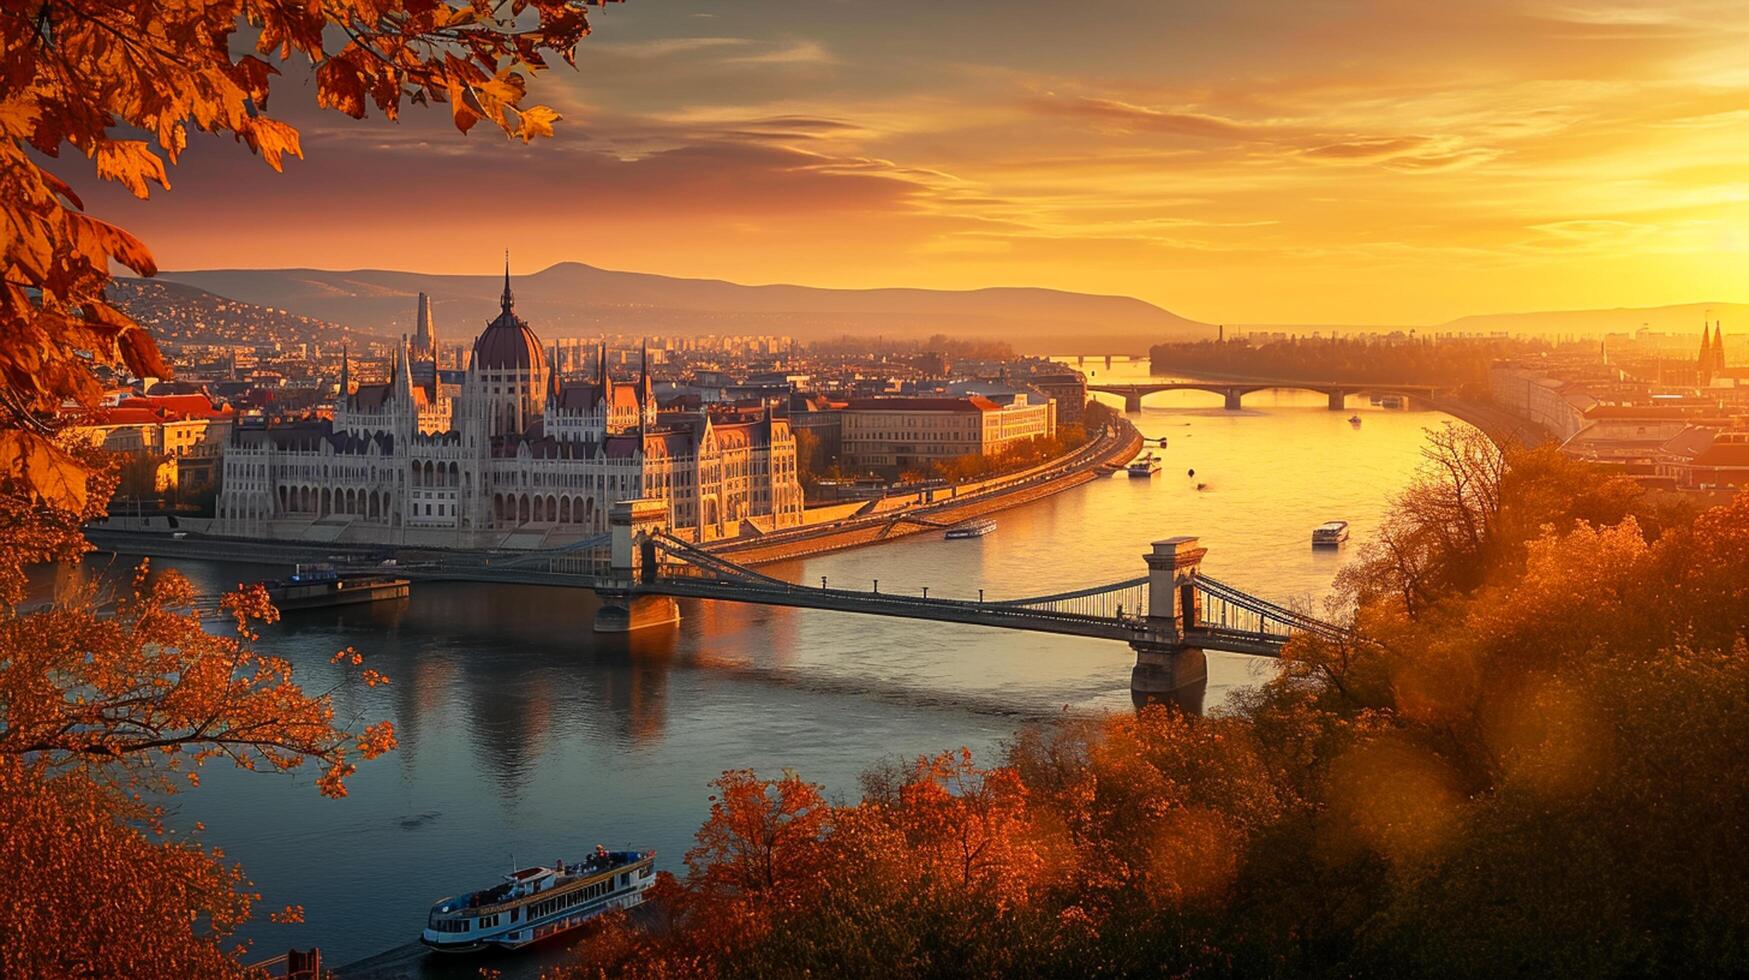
x: 125, y: 82
x: 106, y: 703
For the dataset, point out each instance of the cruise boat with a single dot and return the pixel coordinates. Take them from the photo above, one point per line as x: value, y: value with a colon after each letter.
x: 1391, y: 401
x: 532, y: 904
x: 970, y: 529
x: 1330, y: 534
x: 1145, y: 465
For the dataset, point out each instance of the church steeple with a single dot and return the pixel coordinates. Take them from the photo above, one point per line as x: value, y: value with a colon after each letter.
x: 1718, y: 346
x: 507, y: 302
x: 401, y: 382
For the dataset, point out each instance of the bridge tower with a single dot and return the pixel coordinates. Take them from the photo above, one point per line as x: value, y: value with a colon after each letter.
x: 631, y: 523
x: 1168, y: 665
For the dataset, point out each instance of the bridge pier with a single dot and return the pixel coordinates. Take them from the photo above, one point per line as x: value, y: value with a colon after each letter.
x: 1338, y: 401
x: 1169, y: 673
x: 1132, y: 403
x: 625, y: 611
x: 634, y: 560
x: 1168, y: 667
x: 1233, y: 398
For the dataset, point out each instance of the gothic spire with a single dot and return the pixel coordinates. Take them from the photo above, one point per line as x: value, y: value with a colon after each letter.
x: 1718, y: 345
x: 507, y: 302
x: 424, y: 331
x: 401, y: 381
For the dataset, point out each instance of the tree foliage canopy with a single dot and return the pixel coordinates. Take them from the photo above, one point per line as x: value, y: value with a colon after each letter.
x: 124, y: 82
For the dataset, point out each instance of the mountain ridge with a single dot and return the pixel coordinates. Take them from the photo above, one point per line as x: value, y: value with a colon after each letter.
x: 574, y: 298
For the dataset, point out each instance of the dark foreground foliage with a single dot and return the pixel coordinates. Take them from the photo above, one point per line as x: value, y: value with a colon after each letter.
x: 1533, y: 764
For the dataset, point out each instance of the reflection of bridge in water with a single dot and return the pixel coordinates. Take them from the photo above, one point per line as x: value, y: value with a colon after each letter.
x: 1235, y: 391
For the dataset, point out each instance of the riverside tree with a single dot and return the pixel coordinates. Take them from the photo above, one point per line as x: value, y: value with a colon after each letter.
x: 107, y: 702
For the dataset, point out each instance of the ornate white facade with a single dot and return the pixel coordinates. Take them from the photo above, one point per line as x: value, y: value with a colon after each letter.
x: 519, y: 459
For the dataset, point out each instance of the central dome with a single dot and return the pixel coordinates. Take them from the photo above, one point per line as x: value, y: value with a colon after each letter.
x: 507, y: 343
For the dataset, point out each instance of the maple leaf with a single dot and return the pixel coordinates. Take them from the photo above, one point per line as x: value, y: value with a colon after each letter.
x: 537, y: 120
x: 132, y: 163
x: 54, y: 477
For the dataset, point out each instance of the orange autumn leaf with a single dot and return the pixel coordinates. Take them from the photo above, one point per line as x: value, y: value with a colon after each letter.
x: 49, y: 473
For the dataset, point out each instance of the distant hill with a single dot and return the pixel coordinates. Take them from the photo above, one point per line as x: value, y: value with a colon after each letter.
x: 573, y: 299
x: 177, y: 313
x: 1667, y: 319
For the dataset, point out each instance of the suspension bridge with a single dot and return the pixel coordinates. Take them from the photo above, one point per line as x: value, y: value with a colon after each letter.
x: 1169, y: 616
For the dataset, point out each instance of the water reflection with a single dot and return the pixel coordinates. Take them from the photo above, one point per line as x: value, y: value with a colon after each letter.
x: 524, y: 734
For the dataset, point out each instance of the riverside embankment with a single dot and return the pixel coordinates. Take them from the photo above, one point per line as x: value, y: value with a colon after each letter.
x: 881, y: 520
x: 1114, y: 446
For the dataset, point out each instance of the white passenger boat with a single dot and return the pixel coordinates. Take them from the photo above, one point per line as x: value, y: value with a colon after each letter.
x: 532, y: 904
x: 1391, y: 401
x: 1330, y: 534
x: 1145, y: 465
x: 970, y: 529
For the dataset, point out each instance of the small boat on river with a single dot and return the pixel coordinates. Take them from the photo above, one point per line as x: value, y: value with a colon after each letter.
x: 1330, y: 534
x: 1146, y: 464
x: 970, y: 529
x: 532, y: 904
x: 1354, y: 420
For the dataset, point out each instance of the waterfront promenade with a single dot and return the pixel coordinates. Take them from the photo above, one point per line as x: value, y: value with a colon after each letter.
x: 878, y: 520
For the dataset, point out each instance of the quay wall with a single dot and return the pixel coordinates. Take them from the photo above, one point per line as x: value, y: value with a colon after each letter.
x: 961, y: 503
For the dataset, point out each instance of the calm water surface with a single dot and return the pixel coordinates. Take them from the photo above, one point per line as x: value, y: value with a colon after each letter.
x: 525, y: 737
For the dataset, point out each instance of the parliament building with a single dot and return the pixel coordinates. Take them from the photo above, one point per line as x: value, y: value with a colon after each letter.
x: 518, y: 458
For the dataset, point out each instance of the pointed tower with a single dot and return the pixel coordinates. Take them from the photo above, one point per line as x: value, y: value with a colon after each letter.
x: 424, y: 332
x: 553, y: 379
x: 1704, y: 369
x: 401, y: 380
x: 645, y: 401
x: 1718, y: 347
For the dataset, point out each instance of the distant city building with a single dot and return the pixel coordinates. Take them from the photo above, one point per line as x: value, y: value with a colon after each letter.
x: 425, y: 351
x: 519, y: 458
x: 892, y: 435
x: 178, y: 435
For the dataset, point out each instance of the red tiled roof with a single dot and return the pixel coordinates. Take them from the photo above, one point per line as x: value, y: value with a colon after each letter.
x: 1732, y: 454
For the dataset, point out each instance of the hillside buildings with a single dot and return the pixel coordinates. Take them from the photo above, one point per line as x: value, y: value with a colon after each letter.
x: 520, y: 457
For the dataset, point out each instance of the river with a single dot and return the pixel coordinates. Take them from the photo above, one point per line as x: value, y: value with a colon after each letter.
x: 526, y: 737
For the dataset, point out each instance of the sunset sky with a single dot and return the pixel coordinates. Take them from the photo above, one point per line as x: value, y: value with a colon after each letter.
x: 1243, y: 161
